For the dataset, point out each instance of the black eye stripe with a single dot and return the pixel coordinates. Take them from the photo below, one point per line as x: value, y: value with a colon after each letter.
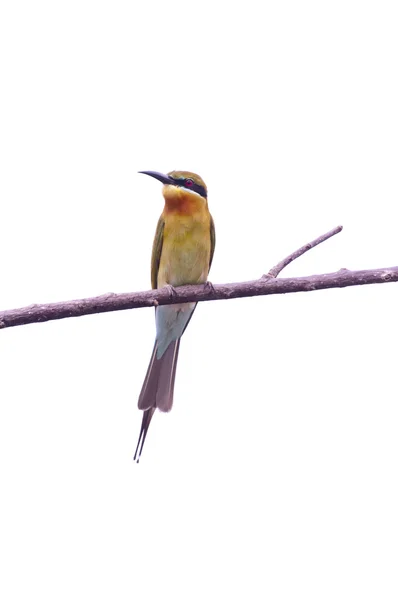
x: 199, y: 189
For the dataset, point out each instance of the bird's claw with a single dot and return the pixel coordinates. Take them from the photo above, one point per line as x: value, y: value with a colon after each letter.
x: 171, y: 290
x: 209, y: 287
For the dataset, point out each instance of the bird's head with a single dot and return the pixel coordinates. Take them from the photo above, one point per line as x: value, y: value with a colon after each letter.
x: 180, y: 185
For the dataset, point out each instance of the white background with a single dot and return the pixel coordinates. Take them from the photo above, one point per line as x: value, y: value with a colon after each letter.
x: 275, y: 475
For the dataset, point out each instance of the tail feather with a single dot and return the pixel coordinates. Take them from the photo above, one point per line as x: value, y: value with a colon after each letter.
x: 166, y: 377
x: 150, y: 385
x: 146, y: 420
x: 158, y: 388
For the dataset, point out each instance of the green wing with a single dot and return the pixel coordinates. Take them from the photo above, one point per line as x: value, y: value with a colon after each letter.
x: 212, y: 240
x: 156, y: 253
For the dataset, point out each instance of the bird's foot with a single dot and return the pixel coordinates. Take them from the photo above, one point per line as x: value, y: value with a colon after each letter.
x: 171, y: 290
x: 209, y: 287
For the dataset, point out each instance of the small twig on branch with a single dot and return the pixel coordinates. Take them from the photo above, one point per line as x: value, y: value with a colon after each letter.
x: 274, y: 272
x: 38, y: 313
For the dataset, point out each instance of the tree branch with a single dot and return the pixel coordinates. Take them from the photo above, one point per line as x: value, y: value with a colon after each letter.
x: 267, y: 285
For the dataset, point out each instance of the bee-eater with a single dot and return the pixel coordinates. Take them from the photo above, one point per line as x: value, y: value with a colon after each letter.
x: 182, y: 253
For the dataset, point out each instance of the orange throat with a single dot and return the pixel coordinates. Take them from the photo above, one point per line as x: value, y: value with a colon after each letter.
x: 182, y: 202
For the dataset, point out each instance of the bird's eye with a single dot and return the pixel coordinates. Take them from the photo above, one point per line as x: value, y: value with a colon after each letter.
x: 189, y: 183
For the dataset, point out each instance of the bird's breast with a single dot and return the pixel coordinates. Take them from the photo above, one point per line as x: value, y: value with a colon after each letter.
x: 186, y: 249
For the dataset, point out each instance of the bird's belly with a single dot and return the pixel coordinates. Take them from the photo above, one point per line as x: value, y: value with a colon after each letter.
x: 185, y: 257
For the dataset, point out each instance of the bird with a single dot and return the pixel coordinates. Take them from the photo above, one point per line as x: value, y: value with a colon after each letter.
x: 182, y: 254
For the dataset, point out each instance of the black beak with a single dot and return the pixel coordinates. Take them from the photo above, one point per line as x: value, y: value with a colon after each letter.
x: 159, y: 176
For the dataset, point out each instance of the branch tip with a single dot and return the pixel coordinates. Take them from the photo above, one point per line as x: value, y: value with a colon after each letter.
x: 274, y: 272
